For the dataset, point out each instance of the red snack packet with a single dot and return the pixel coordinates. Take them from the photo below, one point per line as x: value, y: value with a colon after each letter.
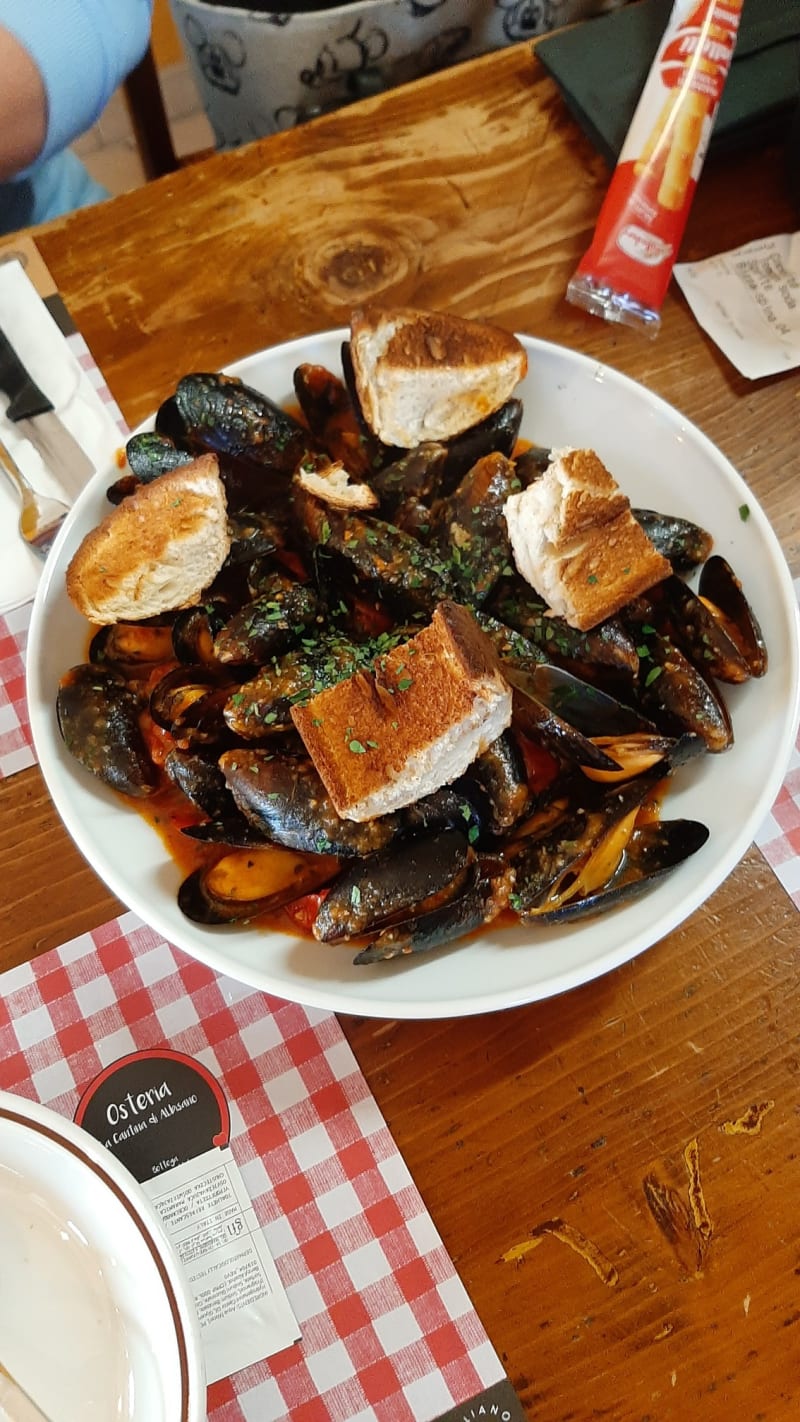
x: 625, y: 273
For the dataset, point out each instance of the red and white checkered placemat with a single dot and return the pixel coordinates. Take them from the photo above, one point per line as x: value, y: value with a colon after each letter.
x: 94, y: 374
x: 388, y: 1331
x: 16, y: 746
x: 779, y: 836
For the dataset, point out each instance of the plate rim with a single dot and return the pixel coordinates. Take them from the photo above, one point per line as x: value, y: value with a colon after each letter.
x: 45, y: 1122
x: 383, y: 1004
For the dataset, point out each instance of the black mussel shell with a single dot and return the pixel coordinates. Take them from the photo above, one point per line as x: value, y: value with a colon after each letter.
x: 98, y: 717
x: 255, y: 880
x: 194, y: 630
x: 132, y: 644
x: 201, y: 781
x: 684, y: 543
x: 189, y: 702
x: 653, y: 851
x: 497, y: 434
x: 408, y: 877
x: 721, y: 587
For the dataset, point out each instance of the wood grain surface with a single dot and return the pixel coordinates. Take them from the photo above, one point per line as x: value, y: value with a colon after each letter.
x: 615, y: 1172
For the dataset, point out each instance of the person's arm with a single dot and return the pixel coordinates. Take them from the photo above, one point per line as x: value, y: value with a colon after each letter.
x: 23, y: 107
x: 80, y: 51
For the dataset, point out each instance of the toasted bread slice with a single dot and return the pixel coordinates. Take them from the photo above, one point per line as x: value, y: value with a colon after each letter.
x: 575, y: 540
x: 429, y: 375
x: 383, y: 740
x: 328, y: 480
x: 156, y: 551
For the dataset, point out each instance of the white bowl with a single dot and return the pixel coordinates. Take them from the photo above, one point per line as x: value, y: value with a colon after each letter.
x: 96, y: 1319
x: 661, y: 461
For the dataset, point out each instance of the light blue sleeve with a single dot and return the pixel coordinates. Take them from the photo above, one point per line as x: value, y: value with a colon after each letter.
x: 83, y: 50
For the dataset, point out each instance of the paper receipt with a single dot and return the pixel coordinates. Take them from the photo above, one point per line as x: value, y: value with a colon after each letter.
x: 748, y: 301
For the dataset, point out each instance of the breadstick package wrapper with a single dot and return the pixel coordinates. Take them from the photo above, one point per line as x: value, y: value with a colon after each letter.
x: 625, y: 273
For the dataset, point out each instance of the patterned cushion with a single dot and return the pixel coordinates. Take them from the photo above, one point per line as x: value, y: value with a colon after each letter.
x: 259, y: 71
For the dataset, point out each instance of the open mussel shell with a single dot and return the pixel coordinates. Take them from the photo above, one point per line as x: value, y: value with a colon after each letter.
x: 99, y: 720
x: 720, y: 588
x: 194, y: 630
x: 578, y: 851
x: 708, y: 640
x: 189, y: 702
x: 581, y: 704
x: 132, y: 644
x: 634, y: 754
x: 651, y: 851
x: 256, y: 880
x: 535, y: 719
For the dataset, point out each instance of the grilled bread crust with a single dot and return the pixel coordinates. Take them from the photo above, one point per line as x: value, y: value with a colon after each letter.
x: 156, y: 551
x: 575, y: 540
x: 382, y: 740
x: 429, y: 375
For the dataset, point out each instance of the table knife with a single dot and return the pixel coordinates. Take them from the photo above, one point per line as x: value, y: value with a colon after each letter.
x: 33, y: 415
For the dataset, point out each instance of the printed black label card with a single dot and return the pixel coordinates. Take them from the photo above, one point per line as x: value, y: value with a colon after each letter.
x: 167, y: 1119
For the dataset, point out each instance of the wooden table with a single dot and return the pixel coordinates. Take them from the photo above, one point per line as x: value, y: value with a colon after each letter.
x: 474, y: 190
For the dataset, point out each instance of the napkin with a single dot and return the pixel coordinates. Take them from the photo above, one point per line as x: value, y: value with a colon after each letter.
x: 62, y: 366
x: 601, y: 65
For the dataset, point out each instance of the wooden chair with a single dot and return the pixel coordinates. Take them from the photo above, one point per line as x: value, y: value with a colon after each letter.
x: 145, y: 103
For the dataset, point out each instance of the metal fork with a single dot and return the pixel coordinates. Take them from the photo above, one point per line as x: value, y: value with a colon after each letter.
x: 40, y: 518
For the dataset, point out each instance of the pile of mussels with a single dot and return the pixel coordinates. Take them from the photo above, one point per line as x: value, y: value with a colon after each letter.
x: 554, y: 821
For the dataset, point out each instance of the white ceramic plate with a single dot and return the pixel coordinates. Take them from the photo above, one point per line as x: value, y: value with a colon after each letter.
x: 95, y: 1319
x: 661, y: 461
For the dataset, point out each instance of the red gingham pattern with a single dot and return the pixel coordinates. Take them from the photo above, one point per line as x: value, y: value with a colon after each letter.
x: 388, y: 1331
x: 87, y: 363
x: 16, y: 747
x: 779, y: 836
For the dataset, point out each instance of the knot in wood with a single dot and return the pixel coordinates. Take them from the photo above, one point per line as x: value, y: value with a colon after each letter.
x: 357, y: 270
